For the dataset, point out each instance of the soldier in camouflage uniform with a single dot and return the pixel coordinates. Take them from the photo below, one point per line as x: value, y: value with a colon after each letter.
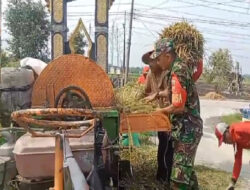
x: 184, y: 113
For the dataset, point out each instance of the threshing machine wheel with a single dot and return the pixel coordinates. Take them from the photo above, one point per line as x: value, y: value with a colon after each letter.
x: 72, y: 97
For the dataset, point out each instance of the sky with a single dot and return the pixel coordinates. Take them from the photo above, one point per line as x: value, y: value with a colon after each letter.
x: 224, y: 24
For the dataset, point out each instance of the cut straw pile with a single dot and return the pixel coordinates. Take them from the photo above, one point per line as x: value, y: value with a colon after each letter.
x: 188, y: 41
x: 214, y: 96
x: 144, y: 164
x: 129, y: 99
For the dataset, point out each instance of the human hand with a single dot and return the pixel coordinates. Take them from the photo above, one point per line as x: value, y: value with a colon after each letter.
x: 231, y: 185
x: 163, y: 93
x: 158, y: 110
x: 151, y: 97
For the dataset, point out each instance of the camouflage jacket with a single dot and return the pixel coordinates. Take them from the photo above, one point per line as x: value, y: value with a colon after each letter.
x: 181, y: 70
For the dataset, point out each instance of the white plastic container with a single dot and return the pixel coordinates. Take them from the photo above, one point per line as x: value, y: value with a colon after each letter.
x: 35, y: 156
x: 16, y: 77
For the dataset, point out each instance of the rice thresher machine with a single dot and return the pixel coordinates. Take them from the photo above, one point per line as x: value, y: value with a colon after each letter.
x: 69, y: 137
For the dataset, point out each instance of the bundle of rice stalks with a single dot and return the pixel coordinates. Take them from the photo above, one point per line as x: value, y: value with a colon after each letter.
x: 129, y: 99
x: 188, y: 41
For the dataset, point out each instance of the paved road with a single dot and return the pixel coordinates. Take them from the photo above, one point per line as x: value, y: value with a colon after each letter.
x: 208, y: 152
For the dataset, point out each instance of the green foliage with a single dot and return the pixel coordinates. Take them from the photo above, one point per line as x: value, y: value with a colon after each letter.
x: 8, y: 61
x: 135, y: 70
x: 28, y: 25
x: 219, y: 67
x: 246, y: 79
x: 4, y: 59
x: 79, y: 43
x: 232, y: 118
x: 2, y: 141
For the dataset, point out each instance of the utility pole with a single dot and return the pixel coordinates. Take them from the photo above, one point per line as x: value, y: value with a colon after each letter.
x: 0, y: 38
x: 0, y: 30
x: 112, y: 45
x: 90, y: 31
x: 117, y: 47
x: 237, y: 76
x: 129, y: 40
x: 124, y: 49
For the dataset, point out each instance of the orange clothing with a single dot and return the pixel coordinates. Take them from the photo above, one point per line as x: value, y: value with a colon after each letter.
x: 145, y: 69
x: 179, y: 94
x: 141, y: 79
x: 240, y: 133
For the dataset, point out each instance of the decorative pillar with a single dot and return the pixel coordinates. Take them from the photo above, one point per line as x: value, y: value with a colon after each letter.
x: 101, y: 33
x: 59, y: 27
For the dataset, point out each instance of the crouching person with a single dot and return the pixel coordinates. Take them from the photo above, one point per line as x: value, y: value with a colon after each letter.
x: 237, y: 134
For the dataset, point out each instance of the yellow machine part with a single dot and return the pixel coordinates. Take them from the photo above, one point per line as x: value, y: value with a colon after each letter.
x: 73, y: 70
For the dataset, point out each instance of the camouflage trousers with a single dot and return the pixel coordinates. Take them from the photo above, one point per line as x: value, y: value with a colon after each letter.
x: 186, y: 135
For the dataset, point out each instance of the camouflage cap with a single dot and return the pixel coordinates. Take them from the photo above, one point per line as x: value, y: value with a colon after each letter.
x: 162, y: 45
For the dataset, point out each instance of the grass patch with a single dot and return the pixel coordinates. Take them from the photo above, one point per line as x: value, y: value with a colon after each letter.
x: 2, y: 141
x: 144, y: 162
x: 232, y: 118
x: 212, y: 179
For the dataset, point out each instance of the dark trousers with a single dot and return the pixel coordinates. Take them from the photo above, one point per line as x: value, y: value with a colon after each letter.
x: 164, y: 157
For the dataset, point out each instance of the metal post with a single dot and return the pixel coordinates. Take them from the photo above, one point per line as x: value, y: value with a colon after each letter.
x: 58, y: 181
x: 101, y: 33
x: 112, y: 45
x: 0, y: 39
x: 129, y: 40
x: 124, y: 49
x: 237, y: 76
x: 117, y: 47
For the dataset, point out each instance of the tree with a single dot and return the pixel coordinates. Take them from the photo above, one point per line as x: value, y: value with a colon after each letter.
x: 28, y: 25
x: 8, y: 61
x: 219, y: 67
x: 79, y: 43
x: 5, y: 59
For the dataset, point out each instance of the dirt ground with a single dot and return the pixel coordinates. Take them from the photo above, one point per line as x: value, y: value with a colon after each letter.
x: 204, y: 88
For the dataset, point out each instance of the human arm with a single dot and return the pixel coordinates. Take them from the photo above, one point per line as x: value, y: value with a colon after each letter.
x: 148, y: 89
x: 179, y: 95
x: 237, y: 164
x: 198, y: 71
x: 236, y: 169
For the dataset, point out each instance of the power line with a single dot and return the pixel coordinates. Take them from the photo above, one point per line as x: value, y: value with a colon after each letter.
x: 145, y: 26
x: 224, y: 4
x: 217, y: 8
x: 156, y: 6
x: 93, y: 5
x: 224, y: 40
x: 202, y: 16
x: 207, y: 31
x: 162, y: 16
x: 129, y: 39
x: 119, y: 4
